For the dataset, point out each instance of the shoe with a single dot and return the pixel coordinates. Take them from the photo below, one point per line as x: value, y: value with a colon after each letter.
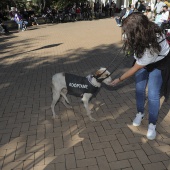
x: 151, y: 134
x: 138, y: 119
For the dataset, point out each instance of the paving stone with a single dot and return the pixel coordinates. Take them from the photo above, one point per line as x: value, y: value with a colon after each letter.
x: 86, y: 162
x: 116, y: 146
x: 120, y: 164
x: 136, y: 164
x: 158, y: 157
x: 101, y: 145
x: 131, y: 147
x: 125, y: 155
x: 70, y: 161
x: 95, y: 167
x: 148, y: 149
x: 94, y: 137
x: 110, y: 155
x: 30, y: 139
x: 166, y: 163
x: 94, y: 153
x: 142, y: 156
x: 79, y: 152
x: 103, y: 163
x: 153, y: 166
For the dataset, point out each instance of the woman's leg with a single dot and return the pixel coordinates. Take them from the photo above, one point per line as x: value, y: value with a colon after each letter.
x: 117, y: 20
x: 154, y: 87
x: 141, y: 81
x: 20, y: 24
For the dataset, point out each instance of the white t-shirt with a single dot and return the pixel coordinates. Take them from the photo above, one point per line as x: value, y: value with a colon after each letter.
x: 153, y: 57
x: 159, y: 6
x: 164, y: 16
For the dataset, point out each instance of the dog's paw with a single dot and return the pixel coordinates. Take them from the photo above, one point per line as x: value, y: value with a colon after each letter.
x: 91, y: 111
x: 69, y: 107
x: 93, y: 119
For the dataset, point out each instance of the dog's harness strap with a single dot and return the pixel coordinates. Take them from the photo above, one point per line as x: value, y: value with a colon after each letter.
x: 89, y: 78
x: 111, y: 62
x: 77, y: 85
x: 102, y: 79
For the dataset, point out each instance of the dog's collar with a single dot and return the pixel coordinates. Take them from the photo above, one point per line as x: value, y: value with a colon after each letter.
x: 89, y: 78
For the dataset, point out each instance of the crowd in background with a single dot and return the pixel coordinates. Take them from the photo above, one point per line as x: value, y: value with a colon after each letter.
x: 72, y: 12
x: 159, y: 14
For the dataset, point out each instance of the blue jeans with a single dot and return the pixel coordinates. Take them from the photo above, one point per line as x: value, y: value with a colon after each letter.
x: 154, y: 81
x: 118, y: 20
x: 20, y: 23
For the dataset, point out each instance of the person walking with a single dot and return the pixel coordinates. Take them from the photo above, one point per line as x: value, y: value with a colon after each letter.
x: 151, y: 67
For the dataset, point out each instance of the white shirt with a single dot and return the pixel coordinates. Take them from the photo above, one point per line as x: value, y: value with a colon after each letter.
x: 153, y: 57
x: 159, y: 6
x: 16, y: 17
x: 164, y: 16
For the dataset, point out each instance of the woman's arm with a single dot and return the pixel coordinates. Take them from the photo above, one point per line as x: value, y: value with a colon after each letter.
x: 127, y: 74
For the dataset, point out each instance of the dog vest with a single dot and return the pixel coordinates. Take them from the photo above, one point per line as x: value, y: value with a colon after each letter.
x: 77, y: 85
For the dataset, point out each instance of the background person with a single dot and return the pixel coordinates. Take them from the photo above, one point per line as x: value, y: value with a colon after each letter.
x: 167, y: 3
x: 18, y: 19
x: 119, y: 18
x: 151, y: 52
x: 142, y: 7
x: 4, y: 27
x: 149, y: 13
x: 128, y: 12
x: 137, y: 4
x: 163, y: 17
x: 159, y: 6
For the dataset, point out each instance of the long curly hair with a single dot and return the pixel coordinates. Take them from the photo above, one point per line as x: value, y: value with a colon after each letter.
x: 141, y: 34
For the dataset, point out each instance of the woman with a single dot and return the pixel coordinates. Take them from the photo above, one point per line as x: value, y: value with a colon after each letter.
x: 151, y: 52
x: 149, y: 13
x: 21, y: 24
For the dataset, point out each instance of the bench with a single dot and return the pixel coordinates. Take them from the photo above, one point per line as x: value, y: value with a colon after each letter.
x: 12, y: 25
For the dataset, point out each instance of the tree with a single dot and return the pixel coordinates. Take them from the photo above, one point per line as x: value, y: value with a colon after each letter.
x: 6, y: 4
x: 64, y: 3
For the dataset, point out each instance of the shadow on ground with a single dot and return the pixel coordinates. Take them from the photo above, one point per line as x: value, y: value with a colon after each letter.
x: 31, y: 138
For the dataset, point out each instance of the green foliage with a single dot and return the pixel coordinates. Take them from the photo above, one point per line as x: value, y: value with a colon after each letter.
x: 39, y: 3
x: 63, y: 3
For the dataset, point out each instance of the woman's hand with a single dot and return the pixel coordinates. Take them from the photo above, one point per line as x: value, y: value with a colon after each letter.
x: 115, y: 81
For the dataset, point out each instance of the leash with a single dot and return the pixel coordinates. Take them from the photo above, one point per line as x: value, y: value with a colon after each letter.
x: 102, y: 79
x: 126, y: 55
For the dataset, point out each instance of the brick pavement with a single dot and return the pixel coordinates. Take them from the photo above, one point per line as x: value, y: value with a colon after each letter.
x: 31, y: 140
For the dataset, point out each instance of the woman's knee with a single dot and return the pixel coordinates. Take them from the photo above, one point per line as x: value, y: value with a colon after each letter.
x: 154, y: 94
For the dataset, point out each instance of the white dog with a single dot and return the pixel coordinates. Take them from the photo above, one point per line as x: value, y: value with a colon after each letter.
x: 86, y: 87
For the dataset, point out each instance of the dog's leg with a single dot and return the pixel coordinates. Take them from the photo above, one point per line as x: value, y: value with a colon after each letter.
x: 65, y: 103
x: 85, y: 100
x: 56, y: 96
x: 64, y: 99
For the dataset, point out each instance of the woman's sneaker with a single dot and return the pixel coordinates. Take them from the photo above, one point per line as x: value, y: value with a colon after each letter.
x: 151, y: 134
x: 138, y: 119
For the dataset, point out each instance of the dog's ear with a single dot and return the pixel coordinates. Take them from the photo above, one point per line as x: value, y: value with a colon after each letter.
x: 98, y: 72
